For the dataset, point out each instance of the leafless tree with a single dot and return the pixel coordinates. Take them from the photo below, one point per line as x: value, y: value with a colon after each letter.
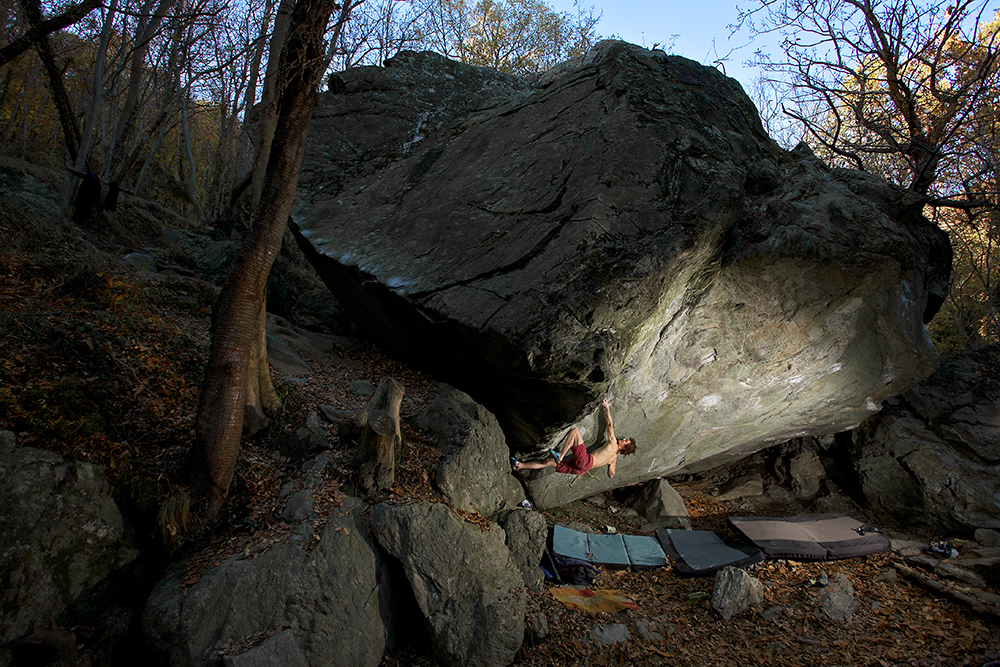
x: 882, y: 85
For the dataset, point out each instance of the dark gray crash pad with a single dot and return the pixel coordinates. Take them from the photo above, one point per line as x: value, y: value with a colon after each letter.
x: 701, y: 552
x: 811, y: 536
x: 614, y: 551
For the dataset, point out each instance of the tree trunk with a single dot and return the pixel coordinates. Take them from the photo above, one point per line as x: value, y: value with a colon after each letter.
x: 380, y: 438
x: 94, y: 106
x: 238, y: 307
x: 71, y: 15
x: 261, y: 396
x: 149, y: 24
x: 268, y: 118
x: 67, y: 117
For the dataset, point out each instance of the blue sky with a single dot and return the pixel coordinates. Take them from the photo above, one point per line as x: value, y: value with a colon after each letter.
x: 701, y: 27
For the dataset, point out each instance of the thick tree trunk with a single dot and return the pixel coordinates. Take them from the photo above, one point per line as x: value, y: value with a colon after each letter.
x: 380, y: 438
x: 236, y: 311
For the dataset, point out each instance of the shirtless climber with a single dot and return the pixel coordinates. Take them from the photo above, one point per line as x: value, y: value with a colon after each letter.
x: 581, y: 460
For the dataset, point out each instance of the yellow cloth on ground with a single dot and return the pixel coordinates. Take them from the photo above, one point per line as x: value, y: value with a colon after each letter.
x: 592, y: 601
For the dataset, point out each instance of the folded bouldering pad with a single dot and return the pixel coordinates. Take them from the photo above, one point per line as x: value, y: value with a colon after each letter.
x: 615, y: 551
x: 701, y: 552
x: 811, y: 536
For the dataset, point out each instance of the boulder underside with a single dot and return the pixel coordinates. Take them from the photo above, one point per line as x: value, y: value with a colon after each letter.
x: 620, y: 227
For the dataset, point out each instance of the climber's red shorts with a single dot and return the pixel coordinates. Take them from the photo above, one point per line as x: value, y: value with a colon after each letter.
x: 581, y: 462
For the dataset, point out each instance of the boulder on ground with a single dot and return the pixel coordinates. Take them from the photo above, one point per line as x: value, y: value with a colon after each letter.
x: 60, y: 534
x: 807, y: 474
x: 930, y: 460
x: 470, y: 593
x: 475, y: 473
x: 622, y: 226
x: 328, y: 597
x: 659, y: 502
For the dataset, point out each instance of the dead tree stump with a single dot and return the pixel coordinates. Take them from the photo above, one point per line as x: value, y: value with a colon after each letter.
x: 380, y: 438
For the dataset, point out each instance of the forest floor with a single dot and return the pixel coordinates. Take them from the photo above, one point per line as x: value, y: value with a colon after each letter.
x: 103, y: 364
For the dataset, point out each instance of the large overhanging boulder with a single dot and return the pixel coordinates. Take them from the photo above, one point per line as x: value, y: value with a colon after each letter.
x: 622, y: 226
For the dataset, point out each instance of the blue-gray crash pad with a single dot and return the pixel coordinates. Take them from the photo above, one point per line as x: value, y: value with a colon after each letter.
x: 614, y: 551
x: 702, y: 552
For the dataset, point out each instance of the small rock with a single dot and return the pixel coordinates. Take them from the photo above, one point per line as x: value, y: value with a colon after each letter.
x: 334, y: 415
x: 8, y: 442
x: 611, y: 633
x: 647, y: 630
x: 735, y: 591
x: 141, y: 262
x: 362, y: 387
x: 739, y: 487
x: 907, y: 547
x: 300, y: 506
x: 777, y: 493
x: 889, y: 576
x: 581, y: 528
x: 821, y: 581
x: 837, y: 600
x: 537, y: 628
x: 988, y: 537
x: 772, y: 613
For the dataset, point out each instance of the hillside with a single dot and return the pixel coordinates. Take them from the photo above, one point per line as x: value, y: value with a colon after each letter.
x: 103, y: 335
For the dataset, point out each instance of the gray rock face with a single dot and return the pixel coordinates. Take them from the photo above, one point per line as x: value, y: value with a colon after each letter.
x: 658, y: 501
x: 932, y: 459
x: 467, y: 590
x: 622, y: 226
x: 526, y: 534
x: 735, y: 591
x: 281, y: 650
x: 327, y: 597
x: 60, y: 533
x: 474, y: 473
x: 807, y: 474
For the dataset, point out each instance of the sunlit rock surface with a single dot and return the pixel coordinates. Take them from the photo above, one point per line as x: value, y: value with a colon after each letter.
x: 621, y: 226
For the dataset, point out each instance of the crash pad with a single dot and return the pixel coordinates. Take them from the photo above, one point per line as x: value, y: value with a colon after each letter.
x: 811, y: 536
x: 701, y: 552
x: 614, y: 551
